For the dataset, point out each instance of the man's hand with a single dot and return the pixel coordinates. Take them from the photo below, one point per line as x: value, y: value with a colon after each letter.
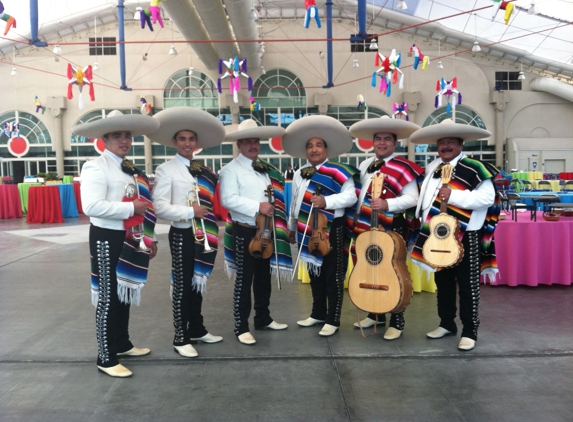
x: 379, y: 204
x: 292, y: 237
x: 139, y: 207
x: 444, y: 194
x: 153, y: 250
x: 266, y: 208
x: 200, y: 211
x: 318, y: 201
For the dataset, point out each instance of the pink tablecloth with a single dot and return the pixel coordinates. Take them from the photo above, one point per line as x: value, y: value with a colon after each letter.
x: 10, y: 205
x: 533, y: 253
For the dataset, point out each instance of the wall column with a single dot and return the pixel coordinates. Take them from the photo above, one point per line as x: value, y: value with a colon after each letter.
x: 499, y: 99
x: 148, y: 154
x: 413, y: 99
x: 57, y: 105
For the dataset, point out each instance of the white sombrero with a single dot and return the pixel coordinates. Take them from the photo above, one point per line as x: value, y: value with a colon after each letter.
x: 334, y: 133
x: 448, y: 129
x: 249, y: 129
x: 366, y: 129
x: 116, y: 121
x: 209, y: 130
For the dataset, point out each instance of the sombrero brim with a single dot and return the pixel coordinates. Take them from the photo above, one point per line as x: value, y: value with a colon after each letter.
x: 431, y: 134
x: 209, y: 130
x: 298, y: 133
x: 137, y: 124
x: 261, y: 132
x: 366, y: 129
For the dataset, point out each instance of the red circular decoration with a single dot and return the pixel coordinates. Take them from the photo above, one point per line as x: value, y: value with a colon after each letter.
x: 276, y: 144
x: 99, y: 145
x: 364, y: 144
x: 18, y: 146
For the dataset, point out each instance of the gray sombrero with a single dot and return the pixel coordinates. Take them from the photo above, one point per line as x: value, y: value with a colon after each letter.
x: 334, y: 133
x: 366, y: 129
x: 248, y: 129
x: 448, y: 129
x: 116, y: 121
x: 209, y: 130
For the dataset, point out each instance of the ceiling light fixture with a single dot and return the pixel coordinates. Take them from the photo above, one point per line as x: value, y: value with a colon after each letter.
x: 191, y: 69
x: 263, y: 71
x: 440, y: 65
x: 254, y: 14
x: 172, y: 51
x: 521, y: 75
x: 137, y: 14
x: 373, y: 44
x: 57, y: 49
x: 355, y: 63
x: 532, y: 9
x: 402, y: 5
x: 14, y: 72
x: 96, y: 66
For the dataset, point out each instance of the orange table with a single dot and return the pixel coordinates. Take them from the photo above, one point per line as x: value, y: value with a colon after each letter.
x: 10, y: 205
x: 44, y: 205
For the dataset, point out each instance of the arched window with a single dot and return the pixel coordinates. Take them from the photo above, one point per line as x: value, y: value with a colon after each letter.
x: 30, y: 127
x: 279, y: 88
x: 190, y: 88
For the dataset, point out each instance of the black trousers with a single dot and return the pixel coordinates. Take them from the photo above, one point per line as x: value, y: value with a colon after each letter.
x: 396, y: 318
x: 328, y: 286
x: 465, y: 276
x: 186, y: 302
x: 112, y: 316
x: 253, y: 272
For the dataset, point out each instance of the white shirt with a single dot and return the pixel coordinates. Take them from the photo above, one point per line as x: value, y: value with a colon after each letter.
x: 477, y: 200
x: 243, y: 189
x: 337, y: 202
x: 408, y: 197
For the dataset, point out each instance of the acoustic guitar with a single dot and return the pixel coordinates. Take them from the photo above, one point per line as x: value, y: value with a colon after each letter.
x: 380, y: 281
x: 443, y: 248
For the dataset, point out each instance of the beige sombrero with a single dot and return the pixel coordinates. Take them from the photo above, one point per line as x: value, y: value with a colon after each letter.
x: 249, y: 129
x: 209, y: 130
x: 366, y: 129
x: 448, y: 129
x: 334, y: 133
x: 116, y: 121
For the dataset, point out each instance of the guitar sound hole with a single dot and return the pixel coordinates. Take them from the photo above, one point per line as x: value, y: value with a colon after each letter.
x: 374, y: 255
x: 441, y: 231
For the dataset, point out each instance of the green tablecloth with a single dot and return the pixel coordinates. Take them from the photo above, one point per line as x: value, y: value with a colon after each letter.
x: 527, y: 175
x: 23, y: 188
x: 68, y: 179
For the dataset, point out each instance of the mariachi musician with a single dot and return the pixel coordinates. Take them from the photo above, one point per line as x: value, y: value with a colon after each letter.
x: 471, y: 199
x: 116, y: 283
x: 322, y: 190
x: 246, y: 183
x: 183, y: 194
x: 399, y: 195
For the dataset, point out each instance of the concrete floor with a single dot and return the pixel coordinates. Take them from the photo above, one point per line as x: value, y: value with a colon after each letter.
x: 520, y: 370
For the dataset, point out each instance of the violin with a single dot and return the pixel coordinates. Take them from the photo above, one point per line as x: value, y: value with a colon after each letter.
x: 261, y: 245
x: 318, y: 243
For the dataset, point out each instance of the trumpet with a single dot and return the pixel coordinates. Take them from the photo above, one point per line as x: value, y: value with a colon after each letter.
x: 193, y: 197
x: 132, y: 189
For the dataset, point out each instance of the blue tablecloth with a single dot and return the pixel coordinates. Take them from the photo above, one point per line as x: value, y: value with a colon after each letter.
x: 68, y: 200
x: 563, y: 197
x: 288, y: 197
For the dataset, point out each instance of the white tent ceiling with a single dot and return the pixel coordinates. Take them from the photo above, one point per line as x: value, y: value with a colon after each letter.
x: 543, y: 41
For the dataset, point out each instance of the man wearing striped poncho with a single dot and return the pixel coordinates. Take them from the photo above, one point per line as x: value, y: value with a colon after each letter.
x: 183, y: 194
x: 471, y: 199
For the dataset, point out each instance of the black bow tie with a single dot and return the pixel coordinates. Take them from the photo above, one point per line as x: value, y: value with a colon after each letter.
x: 260, y: 167
x: 438, y: 171
x: 308, y: 172
x: 129, y: 168
x: 195, y: 168
x: 375, y: 166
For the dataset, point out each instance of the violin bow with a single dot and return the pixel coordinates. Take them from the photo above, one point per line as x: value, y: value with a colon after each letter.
x: 276, y: 252
x: 301, y: 243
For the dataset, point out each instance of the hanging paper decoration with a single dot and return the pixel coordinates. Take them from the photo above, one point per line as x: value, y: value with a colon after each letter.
x: 508, y: 6
x: 155, y: 10
x: 311, y: 13
x: 254, y: 105
x: 39, y: 105
x: 361, y: 102
x: 10, y: 21
x: 11, y: 130
x: 80, y: 77
x: 449, y: 90
x: 400, y: 110
x: 145, y: 18
x: 419, y: 57
x: 235, y: 68
x: 145, y: 106
x: 388, y: 71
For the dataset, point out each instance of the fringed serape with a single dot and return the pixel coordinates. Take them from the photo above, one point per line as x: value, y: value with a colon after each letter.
x: 468, y: 173
x: 284, y: 264
x: 330, y: 177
